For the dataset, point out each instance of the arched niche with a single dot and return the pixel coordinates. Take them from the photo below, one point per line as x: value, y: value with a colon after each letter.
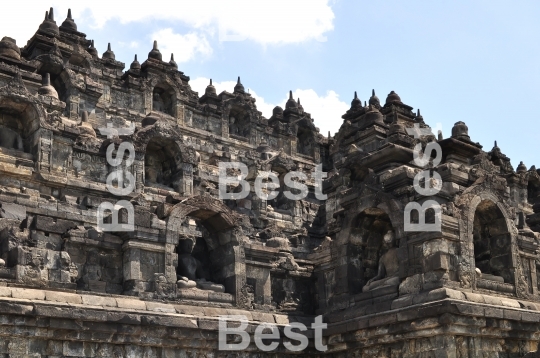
x: 366, y: 246
x: 239, y: 122
x: 164, y: 99
x: 19, y: 124
x: 162, y: 163
x: 281, y: 203
x: 219, y: 245
x: 62, y: 84
x: 492, y: 243
x: 305, y: 144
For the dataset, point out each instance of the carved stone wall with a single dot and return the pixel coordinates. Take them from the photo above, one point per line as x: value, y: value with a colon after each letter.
x: 69, y: 288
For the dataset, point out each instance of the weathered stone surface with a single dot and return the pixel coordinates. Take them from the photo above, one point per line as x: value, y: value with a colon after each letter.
x: 72, y: 287
x: 13, y: 211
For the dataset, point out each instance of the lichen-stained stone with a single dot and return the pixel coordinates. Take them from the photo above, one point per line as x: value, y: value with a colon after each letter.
x: 149, y: 265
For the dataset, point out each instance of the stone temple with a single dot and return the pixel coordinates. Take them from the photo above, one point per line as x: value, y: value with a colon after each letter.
x: 68, y: 288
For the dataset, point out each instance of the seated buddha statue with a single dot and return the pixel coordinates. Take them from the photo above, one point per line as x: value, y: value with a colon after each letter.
x: 388, y: 270
x: 190, y: 272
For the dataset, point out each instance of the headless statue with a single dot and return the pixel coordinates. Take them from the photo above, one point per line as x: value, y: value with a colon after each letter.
x: 157, y: 104
x: 10, y: 139
x: 151, y: 172
x: 233, y: 127
x: 190, y: 271
x: 388, y: 272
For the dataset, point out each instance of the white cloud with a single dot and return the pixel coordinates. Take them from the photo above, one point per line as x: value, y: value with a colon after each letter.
x: 268, y: 21
x: 184, y: 47
x: 326, y: 109
x: 131, y: 44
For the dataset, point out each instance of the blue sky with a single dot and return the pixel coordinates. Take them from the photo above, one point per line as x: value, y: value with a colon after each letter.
x: 475, y: 61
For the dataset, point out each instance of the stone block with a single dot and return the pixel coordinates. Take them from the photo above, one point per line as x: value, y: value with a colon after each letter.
x: 530, y: 317
x: 130, y: 303
x: 220, y: 297
x: 214, y: 312
x: 281, y: 319
x: 190, y: 310
x: 382, y: 319
x: 73, y: 349
x: 512, y: 314
x: 48, y: 224
x: 62, y: 297
x: 99, y: 301
x: 470, y: 309
x: 211, y: 324
x: 402, y: 302
x: 28, y: 294
x: 8, y: 308
x: 474, y: 297
x: 12, y: 211
x: 5, y: 292
x: 262, y: 317
x: 124, y: 318
x: 492, y: 300
x: 493, y: 312
x: 160, y: 307
x: 510, y: 303
x: 170, y: 321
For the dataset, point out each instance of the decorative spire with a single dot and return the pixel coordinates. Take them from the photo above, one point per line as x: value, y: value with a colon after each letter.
x: 172, y: 62
x: 48, y: 27
x: 239, y: 88
x: 135, y: 65
x: 521, y: 168
x: 210, y: 90
x: 155, y: 54
x: 9, y: 48
x: 85, y: 128
x: 374, y: 100
x: 356, y: 103
x: 440, y: 136
x: 496, y: 152
x: 419, y: 117
x: 46, y: 89
x: 393, y: 97
x: 92, y: 50
x: 291, y: 103
x: 109, y: 54
x: 68, y: 24
x: 461, y: 131
x: 299, y: 105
